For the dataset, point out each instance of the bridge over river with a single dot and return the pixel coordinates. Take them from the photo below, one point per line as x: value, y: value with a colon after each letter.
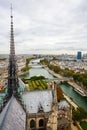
x: 37, y: 65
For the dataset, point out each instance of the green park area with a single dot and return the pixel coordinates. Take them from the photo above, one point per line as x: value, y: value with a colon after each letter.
x: 83, y: 125
x: 37, y: 85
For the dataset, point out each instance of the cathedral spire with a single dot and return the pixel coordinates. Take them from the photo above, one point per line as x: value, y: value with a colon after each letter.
x: 13, y: 82
x: 12, y: 48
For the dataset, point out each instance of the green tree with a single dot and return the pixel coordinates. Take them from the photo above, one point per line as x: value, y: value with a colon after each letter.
x: 79, y: 114
x: 59, y: 94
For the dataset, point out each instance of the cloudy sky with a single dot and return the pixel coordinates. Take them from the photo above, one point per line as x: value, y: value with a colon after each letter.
x: 44, y: 26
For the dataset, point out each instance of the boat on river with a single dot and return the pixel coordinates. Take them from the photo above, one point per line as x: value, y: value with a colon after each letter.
x: 81, y: 92
x: 77, y: 89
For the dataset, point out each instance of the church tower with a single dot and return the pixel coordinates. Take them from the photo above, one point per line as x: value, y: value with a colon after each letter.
x: 52, y: 121
x: 13, y: 82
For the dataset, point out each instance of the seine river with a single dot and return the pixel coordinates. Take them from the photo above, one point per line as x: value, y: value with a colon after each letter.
x: 67, y: 89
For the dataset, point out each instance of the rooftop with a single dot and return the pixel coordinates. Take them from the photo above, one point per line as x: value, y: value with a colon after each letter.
x: 63, y: 104
x: 13, y: 116
x: 38, y: 100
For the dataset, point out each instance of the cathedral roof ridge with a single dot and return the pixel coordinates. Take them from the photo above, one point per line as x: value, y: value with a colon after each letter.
x: 10, y: 113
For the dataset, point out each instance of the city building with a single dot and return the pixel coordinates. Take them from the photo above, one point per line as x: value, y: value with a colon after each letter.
x: 79, y: 55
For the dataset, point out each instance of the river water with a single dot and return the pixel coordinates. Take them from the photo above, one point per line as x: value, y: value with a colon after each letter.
x: 67, y: 89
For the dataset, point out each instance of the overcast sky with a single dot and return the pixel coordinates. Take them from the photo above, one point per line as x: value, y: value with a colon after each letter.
x: 44, y: 26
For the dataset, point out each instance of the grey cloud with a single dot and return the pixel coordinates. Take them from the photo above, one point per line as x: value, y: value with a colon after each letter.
x: 42, y: 24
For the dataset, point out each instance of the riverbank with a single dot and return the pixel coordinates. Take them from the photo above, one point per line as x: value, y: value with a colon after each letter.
x: 67, y: 98
x: 76, y: 87
x: 23, y: 73
x: 53, y: 73
x: 74, y: 127
x: 70, y: 101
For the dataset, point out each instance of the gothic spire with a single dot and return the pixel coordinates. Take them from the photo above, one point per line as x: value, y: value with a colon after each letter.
x: 13, y: 82
x: 12, y: 48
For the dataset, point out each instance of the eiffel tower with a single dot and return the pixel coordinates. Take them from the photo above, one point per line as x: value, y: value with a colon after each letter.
x: 13, y: 82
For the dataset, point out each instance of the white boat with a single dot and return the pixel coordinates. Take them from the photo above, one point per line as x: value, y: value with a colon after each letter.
x: 81, y: 92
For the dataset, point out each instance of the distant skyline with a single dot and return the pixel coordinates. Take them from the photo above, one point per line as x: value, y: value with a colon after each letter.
x: 44, y: 26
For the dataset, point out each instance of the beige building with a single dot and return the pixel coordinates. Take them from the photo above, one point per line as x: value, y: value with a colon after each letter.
x: 64, y: 116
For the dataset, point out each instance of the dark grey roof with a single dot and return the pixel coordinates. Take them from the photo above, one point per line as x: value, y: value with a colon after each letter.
x: 13, y: 116
x: 35, y: 99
